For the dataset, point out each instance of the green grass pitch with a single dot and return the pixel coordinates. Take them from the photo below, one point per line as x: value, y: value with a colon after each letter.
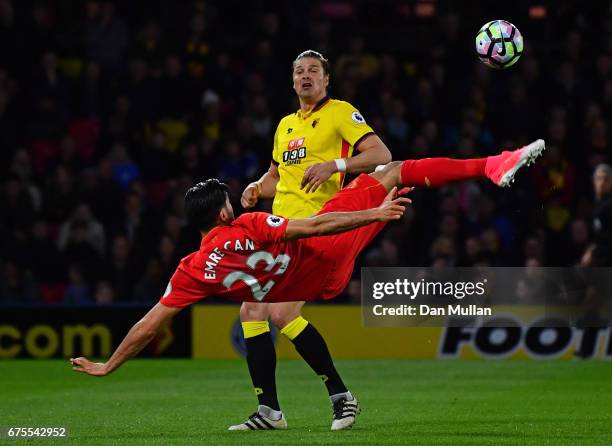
x: 168, y: 402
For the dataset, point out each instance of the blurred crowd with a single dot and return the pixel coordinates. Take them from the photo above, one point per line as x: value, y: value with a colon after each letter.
x: 109, y: 111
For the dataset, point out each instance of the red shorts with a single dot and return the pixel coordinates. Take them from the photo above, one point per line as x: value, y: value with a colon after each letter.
x: 365, y: 192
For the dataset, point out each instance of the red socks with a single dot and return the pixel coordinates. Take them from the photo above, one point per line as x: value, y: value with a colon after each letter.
x: 434, y: 172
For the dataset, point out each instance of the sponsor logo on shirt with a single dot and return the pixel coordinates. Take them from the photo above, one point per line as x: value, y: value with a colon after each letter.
x: 295, y: 152
x: 296, y: 143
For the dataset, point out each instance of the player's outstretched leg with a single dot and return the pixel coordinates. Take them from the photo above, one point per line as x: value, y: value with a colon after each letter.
x: 436, y: 172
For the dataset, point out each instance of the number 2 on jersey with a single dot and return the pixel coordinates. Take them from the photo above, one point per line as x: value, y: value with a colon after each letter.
x: 259, y: 293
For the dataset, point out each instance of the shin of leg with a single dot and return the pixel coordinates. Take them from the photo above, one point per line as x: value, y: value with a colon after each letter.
x: 261, y: 360
x: 390, y: 176
x: 308, y: 342
x: 282, y: 313
x: 261, y: 356
x: 312, y: 347
x: 437, y: 172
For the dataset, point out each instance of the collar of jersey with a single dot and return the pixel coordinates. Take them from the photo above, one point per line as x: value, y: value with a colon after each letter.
x: 319, y: 105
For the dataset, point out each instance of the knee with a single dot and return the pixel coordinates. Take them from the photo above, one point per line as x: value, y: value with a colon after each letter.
x: 391, y: 173
x: 281, y: 315
x: 251, y: 311
x: 393, y: 166
x: 389, y: 166
x: 388, y: 170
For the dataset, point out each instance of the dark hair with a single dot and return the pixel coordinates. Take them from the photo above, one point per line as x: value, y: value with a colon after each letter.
x: 203, y: 202
x: 316, y: 55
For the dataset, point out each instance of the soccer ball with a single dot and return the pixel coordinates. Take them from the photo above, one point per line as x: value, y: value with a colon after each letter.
x: 499, y: 44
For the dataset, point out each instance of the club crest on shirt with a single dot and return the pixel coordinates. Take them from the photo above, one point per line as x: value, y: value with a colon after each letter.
x: 357, y: 118
x: 274, y: 221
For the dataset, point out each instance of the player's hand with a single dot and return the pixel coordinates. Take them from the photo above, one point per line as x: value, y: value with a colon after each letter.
x: 84, y: 365
x: 317, y: 174
x: 394, y: 205
x: 394, y: 193
x: 250, y: 195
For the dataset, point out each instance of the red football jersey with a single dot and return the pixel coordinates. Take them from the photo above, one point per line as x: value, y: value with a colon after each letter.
x: 249, y: 260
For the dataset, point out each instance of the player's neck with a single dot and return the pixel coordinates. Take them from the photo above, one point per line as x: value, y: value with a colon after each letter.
x: 309, y: 104
x: 219, y: 224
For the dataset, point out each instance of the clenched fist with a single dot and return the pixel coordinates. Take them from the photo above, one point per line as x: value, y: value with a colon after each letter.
x: 250, y: 195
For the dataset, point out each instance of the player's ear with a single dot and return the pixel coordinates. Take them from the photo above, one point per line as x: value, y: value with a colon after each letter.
x: 224, y: 215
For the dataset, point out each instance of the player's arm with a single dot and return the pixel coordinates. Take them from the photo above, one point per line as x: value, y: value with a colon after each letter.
x: 137, y: 338
x: 392, y: 208
x: 265, y: 187
x: 372, y: 152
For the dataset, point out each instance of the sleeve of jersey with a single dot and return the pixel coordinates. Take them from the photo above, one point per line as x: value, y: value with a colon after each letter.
x: 350, y: 124
x: 263, y: 228
x: 182, y: 291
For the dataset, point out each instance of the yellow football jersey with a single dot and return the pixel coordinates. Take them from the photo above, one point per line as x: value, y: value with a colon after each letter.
x: 328, y: 132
